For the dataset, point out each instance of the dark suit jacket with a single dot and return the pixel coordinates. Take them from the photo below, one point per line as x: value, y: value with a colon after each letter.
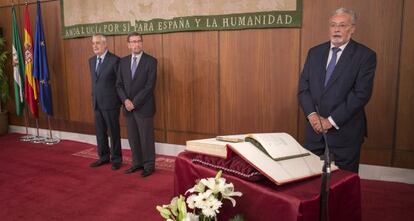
x: 139, y: 90
x: 344, y: 97
x: 104, y: 94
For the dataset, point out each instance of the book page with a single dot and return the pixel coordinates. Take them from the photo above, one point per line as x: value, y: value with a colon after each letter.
x: 279, y: 145
x: 279, y: 172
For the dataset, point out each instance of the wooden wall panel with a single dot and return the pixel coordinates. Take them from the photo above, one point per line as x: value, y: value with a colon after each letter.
x: 77, y: 53
x: 178, y: 56
x: 379, y: 16
x: 280, y: 62
x: 191, y: 82
x: 225, y: 82
x: 205, y: 84
x: 376, y: 156
x: 5, y: 3
x: 258, y: 81
x: 241, y: 81
x: 403, y: 158
x: 405, y: 116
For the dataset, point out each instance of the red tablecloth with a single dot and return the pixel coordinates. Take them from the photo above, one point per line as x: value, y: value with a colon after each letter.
x: 264, y: 200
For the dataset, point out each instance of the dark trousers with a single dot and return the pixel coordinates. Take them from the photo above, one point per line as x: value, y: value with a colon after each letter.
x: 141, y: 140
x: 345, y: 157
x: 107, y: 124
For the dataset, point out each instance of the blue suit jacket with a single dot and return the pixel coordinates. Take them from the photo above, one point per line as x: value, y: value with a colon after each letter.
x: 344, y: 97
x: 140, y: 89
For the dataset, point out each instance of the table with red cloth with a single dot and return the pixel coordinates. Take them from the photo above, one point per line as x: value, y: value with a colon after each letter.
x: 264, y: 200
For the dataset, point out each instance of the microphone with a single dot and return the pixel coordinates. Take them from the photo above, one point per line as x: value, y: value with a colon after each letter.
x: 327, y: 158
x: 326, y: 173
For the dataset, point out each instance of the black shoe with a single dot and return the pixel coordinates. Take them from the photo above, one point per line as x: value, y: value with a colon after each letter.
x: 98, y: 163
x: 147, y: 172
x: 133, y: 169
x: 116, y: 166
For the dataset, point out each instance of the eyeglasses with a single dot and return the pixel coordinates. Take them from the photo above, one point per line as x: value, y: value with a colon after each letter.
x: 340, y: 26
x: 136, y: 41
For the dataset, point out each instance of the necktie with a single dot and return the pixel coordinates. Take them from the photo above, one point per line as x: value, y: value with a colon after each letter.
x: 134, y: 66
x: 331, y: 65
x: 98, y: 66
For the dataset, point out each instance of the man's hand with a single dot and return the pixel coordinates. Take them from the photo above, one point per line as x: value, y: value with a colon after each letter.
x: 316, y: 125
x: 129, y: 106
x: 326, y: 125
x: 314, y: 122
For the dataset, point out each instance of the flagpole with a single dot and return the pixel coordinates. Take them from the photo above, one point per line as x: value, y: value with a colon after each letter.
x: 37, y: 138
x: 40, y: 74
x: 28, y: 137
x: 50, y: 140
x: 18, y: 70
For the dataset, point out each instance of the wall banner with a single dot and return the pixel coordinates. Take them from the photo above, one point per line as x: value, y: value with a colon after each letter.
x: 81, y: 18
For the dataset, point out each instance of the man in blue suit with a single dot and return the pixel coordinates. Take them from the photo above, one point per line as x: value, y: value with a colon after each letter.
x: 106, y: 103
x: 137, y: 75
x: 337, y: 79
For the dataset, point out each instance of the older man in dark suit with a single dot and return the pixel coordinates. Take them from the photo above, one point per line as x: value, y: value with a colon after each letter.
x: 337, y: 78
x: 137, y: 74
x: 106, y: 103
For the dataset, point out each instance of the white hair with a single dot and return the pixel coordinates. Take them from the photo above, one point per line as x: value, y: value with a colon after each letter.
x: 346, y: 11
x: 101, y: 36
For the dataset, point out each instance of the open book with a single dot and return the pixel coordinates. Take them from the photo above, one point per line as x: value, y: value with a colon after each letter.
x: 290, y: 166
x: 279, y: 146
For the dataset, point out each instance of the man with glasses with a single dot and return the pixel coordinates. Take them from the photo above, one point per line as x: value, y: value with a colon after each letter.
x: 137, y: 74
x: 337, y: 81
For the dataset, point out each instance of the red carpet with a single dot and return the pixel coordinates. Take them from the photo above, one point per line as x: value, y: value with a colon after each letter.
x: 39, y: 182
x: 387, y: 201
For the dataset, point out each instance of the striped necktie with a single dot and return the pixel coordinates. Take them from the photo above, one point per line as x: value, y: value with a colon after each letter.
x: 134, y: 66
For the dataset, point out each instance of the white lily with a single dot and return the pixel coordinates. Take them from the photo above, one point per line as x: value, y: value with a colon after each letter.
x: 228, y: 192
x: 216, y: 185
x: 199, y: 188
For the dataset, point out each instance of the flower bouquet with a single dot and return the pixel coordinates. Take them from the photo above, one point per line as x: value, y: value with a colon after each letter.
x: 203, y: 201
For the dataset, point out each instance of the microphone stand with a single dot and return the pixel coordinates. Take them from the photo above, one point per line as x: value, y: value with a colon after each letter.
x: 326, y: 176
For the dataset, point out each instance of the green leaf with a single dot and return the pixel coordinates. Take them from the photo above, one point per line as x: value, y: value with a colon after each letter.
x: 164, y: 212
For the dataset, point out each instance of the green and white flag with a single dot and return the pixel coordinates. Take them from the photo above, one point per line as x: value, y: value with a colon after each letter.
x: 18, y: 66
